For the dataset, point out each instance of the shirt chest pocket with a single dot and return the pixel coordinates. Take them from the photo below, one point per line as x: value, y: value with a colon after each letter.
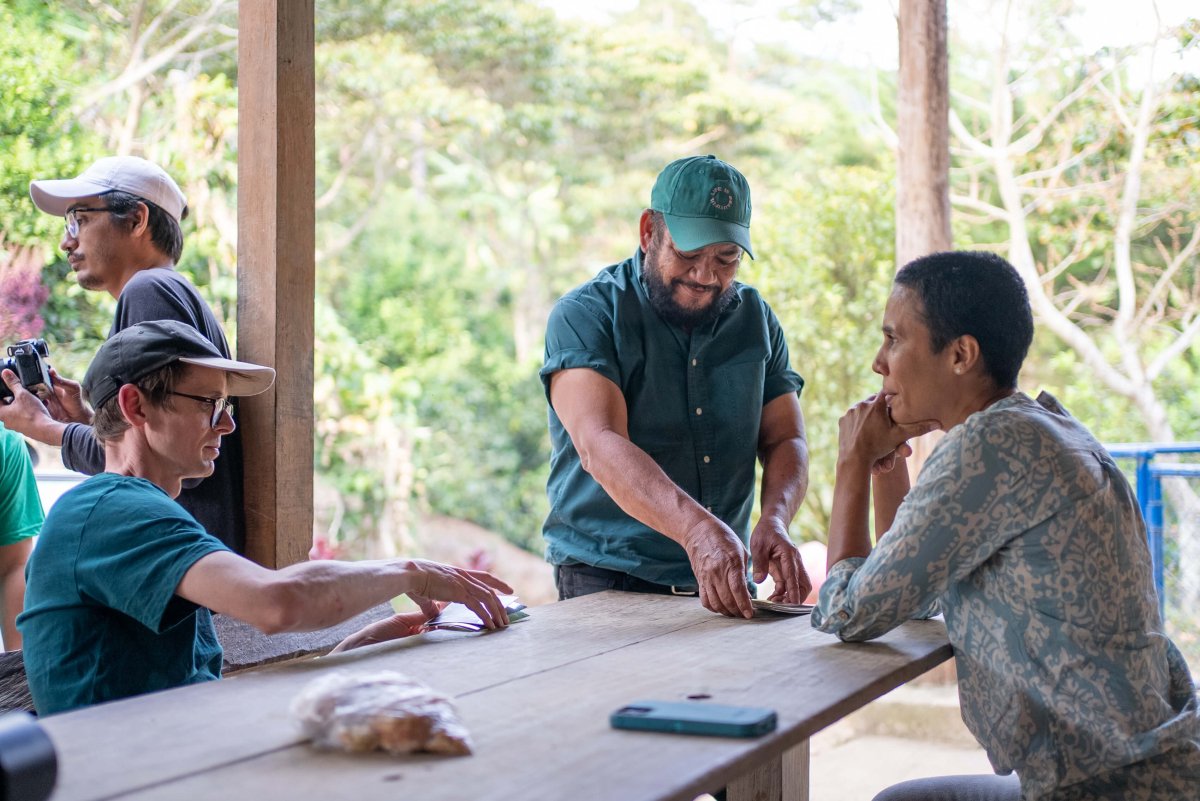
x: 735, y: 399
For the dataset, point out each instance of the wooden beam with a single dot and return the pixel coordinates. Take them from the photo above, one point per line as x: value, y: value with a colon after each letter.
x: 276, y: 241
x: 923, y: 130
x: 923, y: 153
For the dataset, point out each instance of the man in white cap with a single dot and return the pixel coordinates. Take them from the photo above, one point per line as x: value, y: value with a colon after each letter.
x: 123, y: 580
x: 123, y: 237
x: 667, y: 379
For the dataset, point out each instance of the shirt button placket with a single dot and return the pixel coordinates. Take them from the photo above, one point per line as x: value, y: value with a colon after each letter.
x: 697, y: 389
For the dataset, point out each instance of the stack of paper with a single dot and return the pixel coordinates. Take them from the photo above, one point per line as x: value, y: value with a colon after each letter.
x: 781, y: 608
x: 457, y: 617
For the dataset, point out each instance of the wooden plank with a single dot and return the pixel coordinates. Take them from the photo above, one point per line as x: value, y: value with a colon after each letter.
x: 546, y: 735
x: 276, y: 241
x: 923, y: 130
x: 923, y: 152
x: 194, y: 728
x: 795, y: 772
x: 763, y: 783
x: 783, y: 779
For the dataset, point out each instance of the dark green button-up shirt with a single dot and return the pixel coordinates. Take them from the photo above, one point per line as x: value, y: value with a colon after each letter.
x: 695, y: 405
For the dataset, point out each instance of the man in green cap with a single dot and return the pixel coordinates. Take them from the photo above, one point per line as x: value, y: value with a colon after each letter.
x: 666, y: 380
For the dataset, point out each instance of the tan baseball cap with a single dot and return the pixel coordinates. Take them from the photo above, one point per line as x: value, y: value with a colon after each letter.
x: 131, y: 174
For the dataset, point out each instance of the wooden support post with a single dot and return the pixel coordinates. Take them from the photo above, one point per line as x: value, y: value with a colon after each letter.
x: 923, y: 129
x: 923, y: 154
x: 276, y: 241
x: 784, y: 779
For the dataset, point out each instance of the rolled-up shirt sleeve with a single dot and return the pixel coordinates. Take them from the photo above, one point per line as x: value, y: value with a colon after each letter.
x: 577, y: 336
x: 969, y: 502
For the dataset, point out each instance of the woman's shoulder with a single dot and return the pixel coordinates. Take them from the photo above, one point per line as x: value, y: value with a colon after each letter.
x: 1023, y: 430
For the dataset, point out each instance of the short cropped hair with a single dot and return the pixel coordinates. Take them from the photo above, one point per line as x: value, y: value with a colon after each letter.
x: 109, y: 424
x: 165, y: 232
x: 978, y: 294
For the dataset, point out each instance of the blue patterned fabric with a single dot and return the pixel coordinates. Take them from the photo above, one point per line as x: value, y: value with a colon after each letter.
x: 1027, y: 537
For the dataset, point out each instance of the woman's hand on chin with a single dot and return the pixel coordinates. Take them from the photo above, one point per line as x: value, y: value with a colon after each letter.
x: 868, y: 436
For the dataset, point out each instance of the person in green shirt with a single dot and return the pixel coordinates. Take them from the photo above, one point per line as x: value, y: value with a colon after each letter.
x: 20, y: 520
x: 123, y: 580
x: 667, y: 379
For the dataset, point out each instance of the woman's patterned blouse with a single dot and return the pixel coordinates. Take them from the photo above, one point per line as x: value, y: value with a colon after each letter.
x: 1025, y: 535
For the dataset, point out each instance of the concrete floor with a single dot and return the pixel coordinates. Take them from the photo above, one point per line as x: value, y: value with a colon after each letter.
x: 913, y: 732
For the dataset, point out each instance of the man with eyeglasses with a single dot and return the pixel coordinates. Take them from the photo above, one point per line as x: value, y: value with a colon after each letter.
x: 123, y: 582
x: 123, y: 237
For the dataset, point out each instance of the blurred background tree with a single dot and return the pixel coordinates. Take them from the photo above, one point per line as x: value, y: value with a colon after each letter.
x: 476, y: 159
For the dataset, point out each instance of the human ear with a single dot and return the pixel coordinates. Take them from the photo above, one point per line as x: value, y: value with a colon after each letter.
x: 646, y: 229
x: 964, y: 354
x: 133, y: 405
x: 142, y: 225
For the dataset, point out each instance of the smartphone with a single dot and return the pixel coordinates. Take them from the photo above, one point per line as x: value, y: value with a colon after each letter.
x: 693, y: 717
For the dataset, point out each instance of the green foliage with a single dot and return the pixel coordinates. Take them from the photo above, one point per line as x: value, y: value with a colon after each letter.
x: 39, y: 134
x: 826, y: 270
x: 477, y: 159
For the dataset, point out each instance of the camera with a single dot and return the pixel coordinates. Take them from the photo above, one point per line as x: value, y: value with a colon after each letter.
x: 27, y: 359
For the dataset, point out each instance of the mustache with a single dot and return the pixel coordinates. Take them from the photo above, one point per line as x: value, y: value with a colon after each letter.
x: 693, y: 285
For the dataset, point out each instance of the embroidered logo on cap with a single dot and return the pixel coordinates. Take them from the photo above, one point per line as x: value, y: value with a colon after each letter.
x: 720, y: 198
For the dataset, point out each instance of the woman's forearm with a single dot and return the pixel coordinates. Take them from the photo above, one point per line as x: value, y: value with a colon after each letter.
x: 888, y: 491
x: 849, y: 534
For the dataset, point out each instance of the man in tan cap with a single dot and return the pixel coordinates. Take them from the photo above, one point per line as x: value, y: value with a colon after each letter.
x: 123, y: 580
x: 123, y: 237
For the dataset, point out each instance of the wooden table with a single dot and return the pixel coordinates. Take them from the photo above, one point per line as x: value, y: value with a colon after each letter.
x: 536, y: 698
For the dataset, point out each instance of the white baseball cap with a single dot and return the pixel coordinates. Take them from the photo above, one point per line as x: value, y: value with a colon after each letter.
x: 130, y: 174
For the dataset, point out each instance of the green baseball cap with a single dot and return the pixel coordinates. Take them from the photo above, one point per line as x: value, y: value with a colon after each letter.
x: 704, y: 201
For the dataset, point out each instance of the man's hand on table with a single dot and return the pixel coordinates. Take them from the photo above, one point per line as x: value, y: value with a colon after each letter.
x: 719, y: 561
x: 475, y: 589
x: 773, y: 553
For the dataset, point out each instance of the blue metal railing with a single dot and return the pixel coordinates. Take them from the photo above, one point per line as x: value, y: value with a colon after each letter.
x: 1149, y: 478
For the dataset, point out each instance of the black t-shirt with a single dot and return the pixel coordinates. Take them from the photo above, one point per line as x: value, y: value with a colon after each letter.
x: 161, y: 293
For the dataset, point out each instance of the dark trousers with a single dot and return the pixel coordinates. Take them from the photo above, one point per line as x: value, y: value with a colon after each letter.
x: 955, y: 788
x: 576, y: 580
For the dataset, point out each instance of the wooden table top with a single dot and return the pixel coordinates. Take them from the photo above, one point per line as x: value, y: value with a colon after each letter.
x: 536, y: 698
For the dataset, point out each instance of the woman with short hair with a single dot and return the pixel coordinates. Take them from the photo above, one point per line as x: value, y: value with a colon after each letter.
x: 1025, y: 535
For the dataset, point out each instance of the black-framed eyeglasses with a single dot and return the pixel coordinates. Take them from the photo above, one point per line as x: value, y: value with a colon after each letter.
x: 219, y: 405
x: 73, y: 221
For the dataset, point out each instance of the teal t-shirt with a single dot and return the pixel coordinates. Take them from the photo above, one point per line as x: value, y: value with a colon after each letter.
x: 20, y: 506
x: 102, y: 620
x: 695, y: 405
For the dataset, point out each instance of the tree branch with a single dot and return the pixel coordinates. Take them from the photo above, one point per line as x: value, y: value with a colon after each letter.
x: 976, y: 146
x: 1176, y: 348
x: 983, y: 207
x: 139, y: 69
x: 1033, y: 138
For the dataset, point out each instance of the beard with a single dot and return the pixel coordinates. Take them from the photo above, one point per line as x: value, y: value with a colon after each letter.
x: 662, y: 296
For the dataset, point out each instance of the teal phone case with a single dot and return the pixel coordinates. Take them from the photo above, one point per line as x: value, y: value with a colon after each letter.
x: 694, y: 717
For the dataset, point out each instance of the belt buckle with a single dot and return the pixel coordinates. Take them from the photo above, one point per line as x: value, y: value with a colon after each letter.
x: 687, y: 592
